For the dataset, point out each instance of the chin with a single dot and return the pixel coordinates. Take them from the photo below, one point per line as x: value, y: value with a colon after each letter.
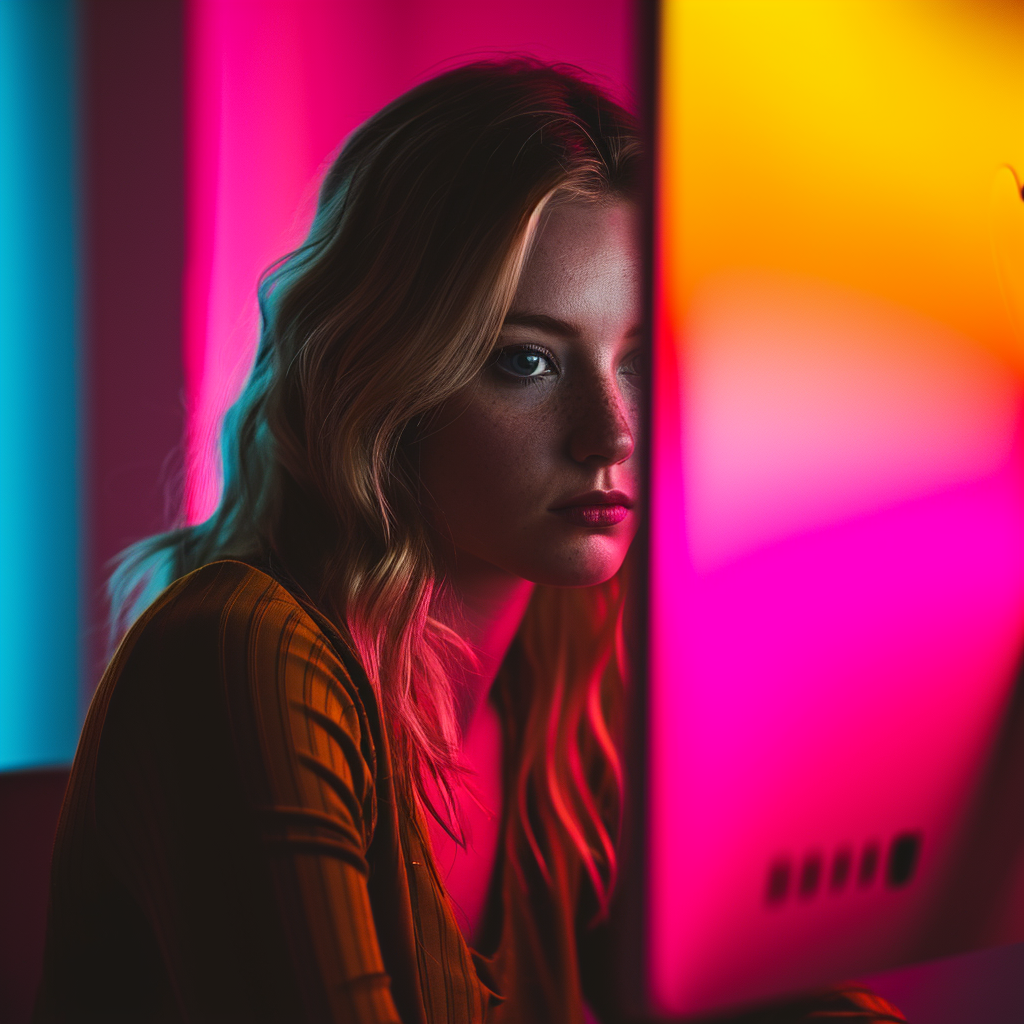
x: 595, y: 563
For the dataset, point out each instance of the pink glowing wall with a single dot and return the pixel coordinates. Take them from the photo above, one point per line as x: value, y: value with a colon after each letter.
x: 273, y: 89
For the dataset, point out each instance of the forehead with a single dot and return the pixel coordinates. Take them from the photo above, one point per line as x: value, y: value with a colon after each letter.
x: 584, y: 261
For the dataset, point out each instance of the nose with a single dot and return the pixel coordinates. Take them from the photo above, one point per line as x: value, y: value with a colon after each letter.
x: 603, y: 429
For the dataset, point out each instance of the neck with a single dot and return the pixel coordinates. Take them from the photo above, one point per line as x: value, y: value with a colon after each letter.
x: 484, y: 606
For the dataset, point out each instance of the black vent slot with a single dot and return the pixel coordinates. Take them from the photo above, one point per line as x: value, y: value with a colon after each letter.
x: 805, y: 878
x: 903, y: 855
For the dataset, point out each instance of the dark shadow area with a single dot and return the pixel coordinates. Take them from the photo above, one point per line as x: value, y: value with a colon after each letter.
x: 987, y: 986
x: 990, y: 856
x: 29, y: 808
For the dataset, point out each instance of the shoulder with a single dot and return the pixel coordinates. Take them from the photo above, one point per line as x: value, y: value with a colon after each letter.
x: 227, y: 676
x: 230, y: 634
x: 243, y: 616
x: 229, y: 600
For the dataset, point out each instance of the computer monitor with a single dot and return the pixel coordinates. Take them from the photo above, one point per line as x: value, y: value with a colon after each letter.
x: 831, y: 719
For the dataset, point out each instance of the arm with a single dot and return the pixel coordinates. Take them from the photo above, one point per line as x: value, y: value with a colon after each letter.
x: 236, y: 795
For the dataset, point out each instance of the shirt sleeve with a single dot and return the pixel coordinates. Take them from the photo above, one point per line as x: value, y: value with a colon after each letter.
x: 235, y: 793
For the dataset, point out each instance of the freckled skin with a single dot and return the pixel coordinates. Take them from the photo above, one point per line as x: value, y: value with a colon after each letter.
x: 502, y: 454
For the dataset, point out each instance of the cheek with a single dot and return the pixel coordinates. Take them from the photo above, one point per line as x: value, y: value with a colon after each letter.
x: 485, y: 455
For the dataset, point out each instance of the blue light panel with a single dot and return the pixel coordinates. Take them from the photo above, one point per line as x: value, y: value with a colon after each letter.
x: 40, y: 368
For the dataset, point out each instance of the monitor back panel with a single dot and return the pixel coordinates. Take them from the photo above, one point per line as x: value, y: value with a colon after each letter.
x: 833, y: 726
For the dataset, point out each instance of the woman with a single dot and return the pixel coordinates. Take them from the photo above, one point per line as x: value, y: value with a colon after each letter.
x: 357, y: 762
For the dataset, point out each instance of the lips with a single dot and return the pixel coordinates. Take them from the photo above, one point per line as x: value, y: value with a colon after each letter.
x: 596, y: 509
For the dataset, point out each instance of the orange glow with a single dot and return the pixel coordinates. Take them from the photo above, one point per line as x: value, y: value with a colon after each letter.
x: 856, y: 141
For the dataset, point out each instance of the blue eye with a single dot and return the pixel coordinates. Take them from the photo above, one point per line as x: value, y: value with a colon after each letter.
x: 637, y: 364
x: 524, y: 363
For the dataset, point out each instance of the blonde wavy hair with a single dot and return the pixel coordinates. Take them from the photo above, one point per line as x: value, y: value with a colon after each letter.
x: 393, y: 304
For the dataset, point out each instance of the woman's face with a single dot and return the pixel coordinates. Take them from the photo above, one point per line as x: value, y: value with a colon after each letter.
x: 532, y: 469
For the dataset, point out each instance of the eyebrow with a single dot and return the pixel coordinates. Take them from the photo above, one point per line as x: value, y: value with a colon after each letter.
x: 552, y: 324
x: 542, y: 322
